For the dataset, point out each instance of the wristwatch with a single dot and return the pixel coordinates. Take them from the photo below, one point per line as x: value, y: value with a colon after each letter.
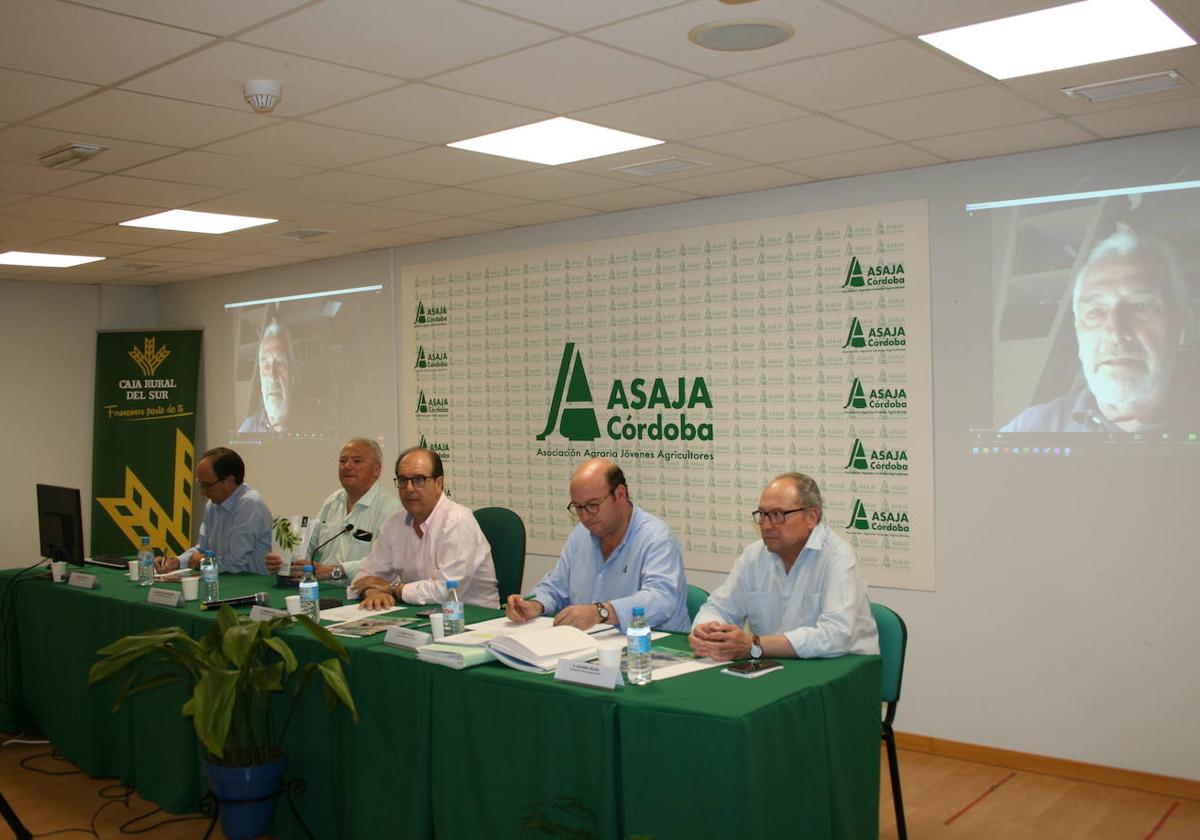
x: 603, y: 610
x: 337, y: 573
x: 755, y: 649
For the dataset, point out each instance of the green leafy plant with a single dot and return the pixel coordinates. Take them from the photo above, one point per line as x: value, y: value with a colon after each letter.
x: 232, y: 674
x: 286, y: 536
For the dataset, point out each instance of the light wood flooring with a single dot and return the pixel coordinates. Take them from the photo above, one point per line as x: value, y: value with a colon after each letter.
x: 945, y: 799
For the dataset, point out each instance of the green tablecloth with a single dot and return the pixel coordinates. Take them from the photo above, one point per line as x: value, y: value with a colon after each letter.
x: 472, y: 753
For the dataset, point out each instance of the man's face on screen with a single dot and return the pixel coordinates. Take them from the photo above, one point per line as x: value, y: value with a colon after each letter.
x: 276, y: 380
x: 1127, y: 339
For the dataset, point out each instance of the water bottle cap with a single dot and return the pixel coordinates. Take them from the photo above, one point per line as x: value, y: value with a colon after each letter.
x: 639, y: 610
x: 308, y: 567
x: 452, y: 584
x: 210, y: 554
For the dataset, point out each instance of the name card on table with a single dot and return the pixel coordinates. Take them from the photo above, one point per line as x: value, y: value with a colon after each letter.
x: 402, y: 637
x: 164, y: 597
x: 588, y: 673
x: 83, y: 580
x: 261, y: 613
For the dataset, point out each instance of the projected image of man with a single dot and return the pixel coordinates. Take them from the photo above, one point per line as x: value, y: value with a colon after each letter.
x: 1131, y: 311
x: 275, y: 382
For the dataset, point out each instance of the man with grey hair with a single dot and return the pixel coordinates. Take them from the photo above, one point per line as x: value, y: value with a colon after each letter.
x: 351, y: 518
x: 1131, y: 311
x: 274, y: 369
x: 798, y: 589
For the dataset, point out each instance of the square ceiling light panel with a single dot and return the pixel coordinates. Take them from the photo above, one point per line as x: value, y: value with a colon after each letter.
x: 555, y: 141
x: 192, y: 221
x: 29, y: 258
x: 1063, y: 36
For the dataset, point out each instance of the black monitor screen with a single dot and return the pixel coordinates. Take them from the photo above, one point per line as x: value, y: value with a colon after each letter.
x: 60, y: 523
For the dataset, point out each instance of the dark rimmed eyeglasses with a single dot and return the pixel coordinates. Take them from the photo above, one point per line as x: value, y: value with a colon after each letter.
x: 592, y: 507
x: 775, y: 516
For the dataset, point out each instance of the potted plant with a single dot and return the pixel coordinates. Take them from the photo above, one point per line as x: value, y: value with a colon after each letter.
x: 232, y: 674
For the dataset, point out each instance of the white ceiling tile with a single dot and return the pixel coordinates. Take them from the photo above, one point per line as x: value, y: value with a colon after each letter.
x: 986, y: 106
x: 428, y: 114
x: 137, y: 116
x: 218, y: 170
x: 73, y: 210
x: 74, y: 42
x: 11, y: 198
x: 712, y: 162
x: 1006, y: 140
x: 1143, y: 119
x: 91, y: 249
x: 28, y: 229
x: 584, y: 74
x: 26, y: 94
x: 410, y: 38
x: 313, y: 145
x: 820, y: 28
x: 220, y: 17
x: 364, y: 218
x: 178, y: 255
x: 439, y: 165
x: 316, y: 251
x: 576, y: 15
x: 548, y: 184
x: 25, y: 143
x: 145, y: 237
x: 455, y: 227
x: 265, y: 202
x: 378, y: 239
x: 120, y: 189
x: 862, y: 162
x: 35, y: 178
x: 920, y: 17
x: 632, y: 197
x: 247, y: 261
x: 805, y: 137
x: 863, y: 76
x: 216, y: 76
x: 535, y: 214
x: 347, y: 187
x: 451, y: 201
x: 692, y: 111
x: 743, y: 180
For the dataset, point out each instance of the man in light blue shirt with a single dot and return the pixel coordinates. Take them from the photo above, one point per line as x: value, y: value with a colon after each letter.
x: 618, y: 557
x: 798, y: 588
x: 237, y: 524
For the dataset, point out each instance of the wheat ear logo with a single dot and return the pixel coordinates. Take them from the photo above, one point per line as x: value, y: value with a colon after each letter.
x: 858, y: 519
x: 858, y: 457
x: 576, y: 422
x: 857, y: 398
x: 147, y: 357
x: 854, y: 275
x: 855, y: 337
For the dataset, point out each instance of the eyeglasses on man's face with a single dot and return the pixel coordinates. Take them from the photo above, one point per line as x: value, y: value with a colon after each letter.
x: 204, y: 485
x: 775, y: 517
x: 417, y: 481
x: 592, y: 507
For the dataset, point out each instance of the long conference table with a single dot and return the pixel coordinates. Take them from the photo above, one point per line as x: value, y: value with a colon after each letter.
x: 487, y: 752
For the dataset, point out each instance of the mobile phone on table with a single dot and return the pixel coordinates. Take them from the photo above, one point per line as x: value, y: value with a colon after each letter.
x: 427, y: 613
x: 753, y: 668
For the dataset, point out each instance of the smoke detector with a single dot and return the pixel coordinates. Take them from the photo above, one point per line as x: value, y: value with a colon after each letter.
x: 263, y: 94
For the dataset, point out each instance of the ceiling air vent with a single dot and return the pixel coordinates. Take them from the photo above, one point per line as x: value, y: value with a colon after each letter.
x: 659, y: 166
x: 301, y: 234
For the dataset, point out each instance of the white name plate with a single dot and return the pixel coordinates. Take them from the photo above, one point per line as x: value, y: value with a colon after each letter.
x: 402, y: 637
x: 588, y: 673
x: 262, y: 613
x: 164, y: 597
x: 83, y: 580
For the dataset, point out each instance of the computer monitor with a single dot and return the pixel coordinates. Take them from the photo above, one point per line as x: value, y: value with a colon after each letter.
x: 60, y: 523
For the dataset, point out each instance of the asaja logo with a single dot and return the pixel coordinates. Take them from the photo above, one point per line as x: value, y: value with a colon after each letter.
x: 876, y: 460
x: 442, y: 449
x: 864, y: 519
x: 571, y: 408
x: 148, y: 357
x: 877, y: 399
x: 857, y: 398
x: 431, y: 359
x: 427, y: 315
x: 873, y: 276
x: 874, y: 338
x: 431, y: 406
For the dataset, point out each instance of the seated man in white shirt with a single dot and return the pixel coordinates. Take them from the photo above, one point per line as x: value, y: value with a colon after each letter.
x: 434, y: 540
x: 798, y: 588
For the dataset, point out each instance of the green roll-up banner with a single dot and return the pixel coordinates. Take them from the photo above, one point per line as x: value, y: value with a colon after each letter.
x: 143, y: 441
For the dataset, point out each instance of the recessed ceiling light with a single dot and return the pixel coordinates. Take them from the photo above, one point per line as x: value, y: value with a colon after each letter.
x: 555, y: 141
x: 1062, y: 36
x: 741, y: 35
x: 192, y: 221
x: 44, y: 260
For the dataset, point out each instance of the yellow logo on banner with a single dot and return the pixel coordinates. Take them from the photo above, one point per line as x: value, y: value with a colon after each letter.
x: 137, y: 512
x: 147, y: 357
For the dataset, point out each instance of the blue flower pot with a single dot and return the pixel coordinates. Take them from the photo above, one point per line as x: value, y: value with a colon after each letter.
x: 247, y: 796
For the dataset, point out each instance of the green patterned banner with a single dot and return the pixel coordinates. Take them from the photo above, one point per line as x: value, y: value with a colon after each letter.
x: 143, y: 440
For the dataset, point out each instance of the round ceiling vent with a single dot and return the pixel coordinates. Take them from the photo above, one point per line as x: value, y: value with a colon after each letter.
x: 741, y: 35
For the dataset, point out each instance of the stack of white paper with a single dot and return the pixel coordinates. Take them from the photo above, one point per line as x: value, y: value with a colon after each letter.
x: 454, y: 656
x: 538, y: 650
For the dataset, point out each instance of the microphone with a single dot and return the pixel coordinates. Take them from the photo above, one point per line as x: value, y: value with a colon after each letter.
x: 349, y: 527
x: 241, y: 601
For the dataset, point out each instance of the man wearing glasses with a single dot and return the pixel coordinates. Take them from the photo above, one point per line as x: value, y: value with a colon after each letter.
x: 237, y: 523
x: 798, y: 587
x: 617, y: 558
x: 434, y: 540
x: 350, y: 519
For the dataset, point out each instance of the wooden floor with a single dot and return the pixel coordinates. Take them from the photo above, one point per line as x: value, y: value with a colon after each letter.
x: 944, y: 798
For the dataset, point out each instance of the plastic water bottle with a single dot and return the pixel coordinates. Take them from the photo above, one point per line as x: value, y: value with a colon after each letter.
x: 452, y: 610
x: 210, y: 586
x: 310, y: 595
x: 145, y: 564
x: 637, y: 640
